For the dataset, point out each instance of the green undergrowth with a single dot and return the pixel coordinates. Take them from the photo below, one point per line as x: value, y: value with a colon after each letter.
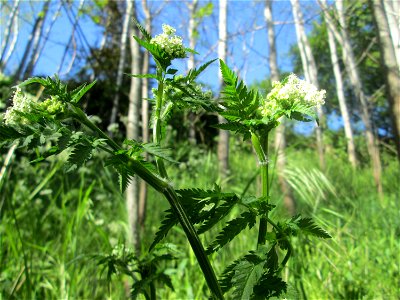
x: 54, y: 224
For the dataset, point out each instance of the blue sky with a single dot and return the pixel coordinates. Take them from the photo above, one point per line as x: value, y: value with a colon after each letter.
x: 247, y: 44
x: 247, y: 48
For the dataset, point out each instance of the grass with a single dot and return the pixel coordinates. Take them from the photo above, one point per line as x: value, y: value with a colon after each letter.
x: 53, y: 224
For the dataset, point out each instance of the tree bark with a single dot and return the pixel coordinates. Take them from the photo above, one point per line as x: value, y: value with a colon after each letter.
x: 4, y: 60
x: 392, y: 11
x: 145, y: 114
x: 310, y: 73
x: 351, y: 150
x: 122, y: 60
x: 191, y: 64
x: 33, y: 40
x: 46, y: 37
x: 356, y: 84
x: 6, y: 35
x: 223, y: 135
x: 132, y: 130
x: 389, y: 65
x: 280, y: 140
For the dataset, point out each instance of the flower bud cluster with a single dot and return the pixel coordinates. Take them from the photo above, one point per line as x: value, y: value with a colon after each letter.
x: 169, y: 42
x: 28, y: 104
x: 289, y: 92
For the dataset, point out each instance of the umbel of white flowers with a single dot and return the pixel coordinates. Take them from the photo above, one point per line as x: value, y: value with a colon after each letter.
x: 290, y: 92
x: 169, y: 42
x: 24, y: 103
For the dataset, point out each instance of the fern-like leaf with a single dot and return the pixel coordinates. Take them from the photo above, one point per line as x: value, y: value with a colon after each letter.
x: 156, y: 150
x: 269, y: 285
x: 231, y: 230
x: 170, y: 220
x: 307, y: 226
x: 247, y: 274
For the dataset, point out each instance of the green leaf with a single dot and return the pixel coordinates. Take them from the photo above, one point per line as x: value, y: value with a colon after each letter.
x: 231, y: 230
x: 144, y: 32
x: 232, y: 126
x: 169, y: 221
x: 246, y: 276
x: 77, y: 94
x: 156, y: 150
x: 217, y: 213
x: 307, y: 226
x: 269, y: 285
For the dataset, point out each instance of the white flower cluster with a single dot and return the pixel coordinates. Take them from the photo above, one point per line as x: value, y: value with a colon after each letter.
x: 26, y: 103
x: 290, y: 91
x: 22, y: 102
x: 169, y: 42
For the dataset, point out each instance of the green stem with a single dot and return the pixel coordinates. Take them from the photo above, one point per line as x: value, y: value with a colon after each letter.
x: 262, y: 155
x: 158, y: 124
x: 163, y: 187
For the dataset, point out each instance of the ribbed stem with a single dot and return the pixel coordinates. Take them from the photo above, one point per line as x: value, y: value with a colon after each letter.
x: 262, y: 155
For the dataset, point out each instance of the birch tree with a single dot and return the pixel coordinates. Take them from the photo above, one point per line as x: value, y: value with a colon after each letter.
x: 392, y: 13
x: 132, y: 129
x: 348, y: 131
x: 122, y: 60
x: 389, y: 64
x: 145, y: 112
x: 356, y: 84
x: 310, y: 71
x: 280, y: 140
x: 6, y: 35
x: 6, y: 56
x: 223, y: 135
x: 33, y: 40
x: 191, y: 62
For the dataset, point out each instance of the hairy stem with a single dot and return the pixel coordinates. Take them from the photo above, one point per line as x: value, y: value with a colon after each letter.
x: 262, y: 155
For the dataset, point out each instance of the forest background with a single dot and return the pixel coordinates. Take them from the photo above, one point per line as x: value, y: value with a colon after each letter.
x: 344, y: 173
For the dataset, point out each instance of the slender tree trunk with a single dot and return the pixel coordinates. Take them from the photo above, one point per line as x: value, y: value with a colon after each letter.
x: 280, y: 140
x: 145, y: 114
x: 191, y: 64
x: 15, y: 26
x: 355, y: 81
x: 6, y: 35
x: 223, y: 136
x: 351, y: 149
x: 132, y: 130
x: 122, y: 60
x: 389, y: 65
x: 36, y: 43
x: 310, y: 72
x: 45, y: 37
x: 33, y: 38
x: 392, y: 11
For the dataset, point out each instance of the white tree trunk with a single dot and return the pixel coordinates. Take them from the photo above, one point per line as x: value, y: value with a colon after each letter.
x: 351, y: 150
x: 15, y: 26
x: 280, y: 140
x: 389, y: 64
x: 191, y: 64
x: 145, y: 114
x: 132, y: 129
x: 32, y: 41
x: 310, y: 72
x: 392, y: 11
x: 122, y: 59
x: 223, y: 136
x: 6, y: 35
x: 355, y: 81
